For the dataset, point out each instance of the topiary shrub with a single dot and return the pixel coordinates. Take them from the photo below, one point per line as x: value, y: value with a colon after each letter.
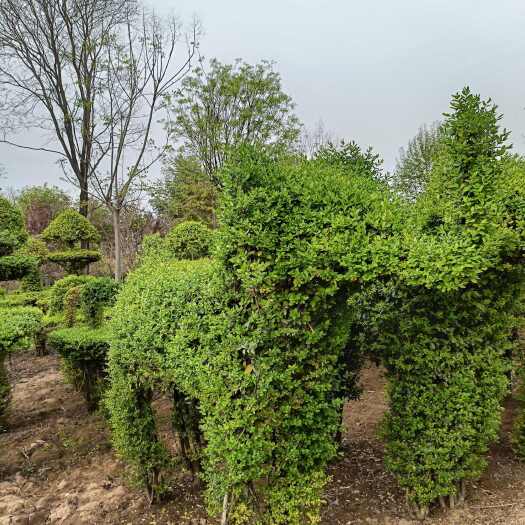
x: 12, y: 230
x: 189, y: 240
x: 17, y: 326
x: 260, y: 341
x: 71, y: 303
x: 16, y: 267
x: 67, y: 231
x: 84, y: 353
x: 74, y: 261
x: 460, y: 277
x: 96, y: 294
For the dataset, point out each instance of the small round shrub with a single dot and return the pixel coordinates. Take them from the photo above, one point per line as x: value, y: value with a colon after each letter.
x: 189, y: 240
x: 15, y: 267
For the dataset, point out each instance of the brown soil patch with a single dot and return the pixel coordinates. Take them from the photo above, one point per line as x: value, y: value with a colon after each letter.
x: 57, y: 466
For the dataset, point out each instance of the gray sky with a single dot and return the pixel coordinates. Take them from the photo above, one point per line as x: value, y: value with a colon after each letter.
x: 371, y: 70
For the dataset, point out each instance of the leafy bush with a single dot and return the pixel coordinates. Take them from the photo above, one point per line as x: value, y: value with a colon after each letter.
x: 189, y: 240
x: 17, y: 326
x: 15, y: 267
x: 60, y: 288
x: 12, y: 231
x: 69, y: 228
x: 84, y: 352
x: 71, y: 303
x: 95, y: 295
x: 20, y: 299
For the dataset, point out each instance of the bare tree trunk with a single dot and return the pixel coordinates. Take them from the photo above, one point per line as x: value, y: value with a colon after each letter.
x: 115, y: 212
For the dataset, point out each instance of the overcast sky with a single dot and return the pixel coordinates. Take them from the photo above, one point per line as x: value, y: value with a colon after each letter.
x: 371, y: 70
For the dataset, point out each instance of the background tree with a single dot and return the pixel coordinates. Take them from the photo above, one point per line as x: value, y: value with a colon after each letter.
x: 139, y: 70
x: 184, y: 193
x: 40, y: 205
x: 230, y: 105
x: 50, y: 62
x: 414, y: 165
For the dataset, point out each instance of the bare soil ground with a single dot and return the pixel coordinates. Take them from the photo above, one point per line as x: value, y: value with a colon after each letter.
x: 57, y: 466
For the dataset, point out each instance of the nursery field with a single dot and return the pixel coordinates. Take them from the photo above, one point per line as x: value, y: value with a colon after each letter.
x: 57, y: 465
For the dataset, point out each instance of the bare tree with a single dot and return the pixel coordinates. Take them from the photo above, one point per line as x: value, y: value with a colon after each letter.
x: 312, y: 140
x: 139, y: 71
x: 50, y: 59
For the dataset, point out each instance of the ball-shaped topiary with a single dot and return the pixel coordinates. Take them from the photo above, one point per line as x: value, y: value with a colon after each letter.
x: 189, y: 240
x: 70, y: 228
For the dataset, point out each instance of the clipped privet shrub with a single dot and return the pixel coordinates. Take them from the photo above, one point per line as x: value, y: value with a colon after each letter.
x: 459, y: 285
x: 189, y: 240
x: 96, y: 294
x: 84, y: 352
x: 12, y: 229
x: 74, y: 261
x: 148, y: 312
x: 71, y: 303
x: 17, y: 326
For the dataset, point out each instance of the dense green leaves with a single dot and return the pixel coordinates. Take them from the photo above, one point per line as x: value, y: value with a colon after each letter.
x: 69, y: 228
x: 12, y: 230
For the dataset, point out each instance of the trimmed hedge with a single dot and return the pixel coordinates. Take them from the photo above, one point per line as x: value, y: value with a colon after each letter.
x: 60, y: 288
x: 189, y: 240
x: 461, y: 275
x: 74, y: 261
x: 84, y: 353
x: 96, y: 294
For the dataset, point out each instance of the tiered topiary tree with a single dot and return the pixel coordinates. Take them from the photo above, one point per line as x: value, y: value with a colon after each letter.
x: 67, y: 232
x: 459, y: 285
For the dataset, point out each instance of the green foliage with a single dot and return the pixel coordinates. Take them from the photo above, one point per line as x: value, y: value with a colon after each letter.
x: 71, y: 302
x: 60, y: 288
x: 34, y: 247
x: 69, y: 228
x: 40, y: 205
x: 20, y: 299
x: 259, y: 340
x: 455, y: 303
x: 17, y: 326
x: 189, y: 240
x: 146, y: 316
x: 75, y: 260
x: 12, y: 231
x: 230, y: 105
x: 414, y: 166
x: 15, y: 267
x: 95, y: 294
x: 185, y: 193
x: 84, y: 352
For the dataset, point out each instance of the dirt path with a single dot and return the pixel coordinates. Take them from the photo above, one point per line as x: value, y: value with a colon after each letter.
x: 57, y: 467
